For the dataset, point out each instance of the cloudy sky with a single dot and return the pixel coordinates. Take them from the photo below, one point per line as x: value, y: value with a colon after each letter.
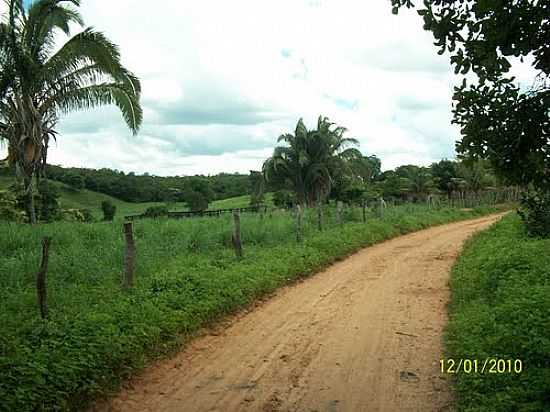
x: 223, y: 79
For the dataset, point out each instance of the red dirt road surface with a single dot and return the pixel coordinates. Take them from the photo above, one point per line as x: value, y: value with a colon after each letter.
x: 363, y: 335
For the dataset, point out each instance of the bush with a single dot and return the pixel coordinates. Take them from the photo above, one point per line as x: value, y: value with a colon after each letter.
x: 109, y: 210
x: 88, y: 215
x: 156, y: 211
x: 8, y: 208
x: 47, y: 204
x: 77, y: 215
x: 535, y: 213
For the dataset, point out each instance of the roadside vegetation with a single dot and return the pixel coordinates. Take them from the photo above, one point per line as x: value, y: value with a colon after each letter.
x: 501, y: 309
x: 186, y: 277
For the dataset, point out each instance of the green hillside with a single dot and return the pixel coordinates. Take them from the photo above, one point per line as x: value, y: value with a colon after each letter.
x: 239, y: 201
x: 87, y: 199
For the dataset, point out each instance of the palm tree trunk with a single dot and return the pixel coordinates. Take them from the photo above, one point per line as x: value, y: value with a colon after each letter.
x: 30, y: 200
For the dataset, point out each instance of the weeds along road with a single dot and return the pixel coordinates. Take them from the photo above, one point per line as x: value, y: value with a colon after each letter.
x: 363, y: 335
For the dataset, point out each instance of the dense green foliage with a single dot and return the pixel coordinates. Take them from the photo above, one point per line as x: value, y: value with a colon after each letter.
x: 500, y: 309
x: 309, y: 161
x: 186, y: 276
x: 109, y: 210
x: 47, y: 205
x: 535, y: 213
x: 499, y: 121
x: 146, y: 188
x: 9, y: 211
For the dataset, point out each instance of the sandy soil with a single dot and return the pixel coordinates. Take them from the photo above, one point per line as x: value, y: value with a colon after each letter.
x: 363, y: 335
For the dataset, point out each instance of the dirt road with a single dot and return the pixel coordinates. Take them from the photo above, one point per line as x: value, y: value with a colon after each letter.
x: 363, y: 335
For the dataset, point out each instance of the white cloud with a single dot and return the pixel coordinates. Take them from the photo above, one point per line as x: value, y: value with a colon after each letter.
x: 222, y: 80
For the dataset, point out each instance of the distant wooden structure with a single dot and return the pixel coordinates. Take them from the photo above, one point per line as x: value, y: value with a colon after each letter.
x: 203, y: 213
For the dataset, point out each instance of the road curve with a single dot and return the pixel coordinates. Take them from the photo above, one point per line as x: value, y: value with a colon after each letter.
x: 362, y: 335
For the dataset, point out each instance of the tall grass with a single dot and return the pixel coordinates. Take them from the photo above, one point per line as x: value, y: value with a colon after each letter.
x: 186, y: 276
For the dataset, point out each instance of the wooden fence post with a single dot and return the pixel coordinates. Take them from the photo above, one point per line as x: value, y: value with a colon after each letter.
x: 129, y: 255
x: 41, y: 278
x: 381, y: 208
x: 364, y: 211
x: 298, y: 223
x: 339, y: 212
x: 319, y: 213
x: 236, y: 237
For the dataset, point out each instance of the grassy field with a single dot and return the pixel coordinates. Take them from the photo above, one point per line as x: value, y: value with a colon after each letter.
x: 240, y: 201
x: 187, y: 276
x: 501, y: 309
x: 87, y: 199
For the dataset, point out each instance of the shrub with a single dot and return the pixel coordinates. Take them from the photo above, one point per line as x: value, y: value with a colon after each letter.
x: 77, y: 215
x: 535, y: 213
x: 109, y: 210
x: 73, y: 215
x: 8, y: 208
x: 156, y: 211
x: 88, y: 216
x: 47, y: 204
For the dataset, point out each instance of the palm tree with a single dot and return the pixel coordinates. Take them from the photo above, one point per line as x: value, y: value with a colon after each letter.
x: 311, y: 160
x: 39, y: 84
x: 420, y: 181
x: 288, y: 163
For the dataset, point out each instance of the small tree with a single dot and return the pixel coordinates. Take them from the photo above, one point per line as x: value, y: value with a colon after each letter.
x: 196, y: 201
x: 109, y: 210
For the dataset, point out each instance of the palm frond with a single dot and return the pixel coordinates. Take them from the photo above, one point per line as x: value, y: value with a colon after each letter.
x: 44, y: 16
x: 101, y: 95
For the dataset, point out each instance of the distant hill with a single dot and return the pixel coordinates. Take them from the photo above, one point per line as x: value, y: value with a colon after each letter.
x: 88, y: 199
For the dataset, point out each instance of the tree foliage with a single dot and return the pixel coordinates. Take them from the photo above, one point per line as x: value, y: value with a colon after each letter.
x: 310, y: 160
x: 109, y: 210
x: 499, y: 121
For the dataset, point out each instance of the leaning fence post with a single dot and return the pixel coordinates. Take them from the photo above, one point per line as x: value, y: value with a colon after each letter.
x: 339, y: 212
x: 236, y: 237
x: 41, y: 278
x: 129, y: 255
x: 298, y: 223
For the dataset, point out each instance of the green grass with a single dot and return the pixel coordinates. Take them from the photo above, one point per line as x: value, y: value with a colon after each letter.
x: 501, y: 309
x: 237, y: 202
x: 187, y: 276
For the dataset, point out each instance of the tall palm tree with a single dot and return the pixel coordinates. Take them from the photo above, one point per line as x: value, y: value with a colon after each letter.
x: 288, y: 164
x: 311, y: 159
x: 39, y: 84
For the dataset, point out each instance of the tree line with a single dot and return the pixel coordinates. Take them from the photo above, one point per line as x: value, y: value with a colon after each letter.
x: 321, y: 164
x: 136, y: 188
